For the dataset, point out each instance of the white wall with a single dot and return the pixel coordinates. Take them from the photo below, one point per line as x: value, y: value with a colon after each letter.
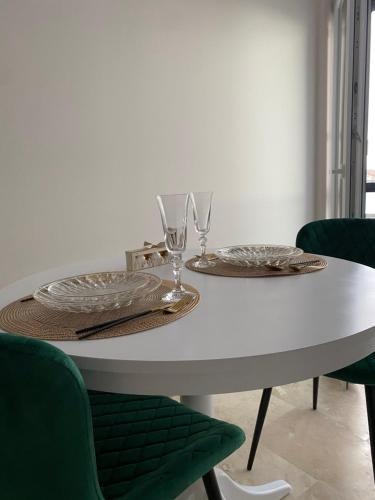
x: 103, y: 104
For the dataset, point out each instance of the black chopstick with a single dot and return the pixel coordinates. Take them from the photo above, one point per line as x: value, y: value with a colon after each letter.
x: 109, y: 324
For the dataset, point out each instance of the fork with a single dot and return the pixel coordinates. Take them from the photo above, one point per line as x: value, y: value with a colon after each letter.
x: 165, y: 308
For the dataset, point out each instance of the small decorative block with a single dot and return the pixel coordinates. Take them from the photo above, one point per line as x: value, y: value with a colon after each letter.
x: 148, y: 256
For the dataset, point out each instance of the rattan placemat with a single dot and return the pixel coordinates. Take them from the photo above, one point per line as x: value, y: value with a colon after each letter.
x: 34, y: 320
x: 224, y: 269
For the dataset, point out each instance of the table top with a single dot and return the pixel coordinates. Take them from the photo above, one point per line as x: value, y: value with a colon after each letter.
x: 246, y: 333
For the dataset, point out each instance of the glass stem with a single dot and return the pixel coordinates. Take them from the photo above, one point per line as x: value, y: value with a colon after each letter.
x: 177, y: 266
x: 203, y: 243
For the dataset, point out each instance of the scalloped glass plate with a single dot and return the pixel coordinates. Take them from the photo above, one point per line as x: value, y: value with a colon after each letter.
x: 258, y: 255
x: 96, y: 292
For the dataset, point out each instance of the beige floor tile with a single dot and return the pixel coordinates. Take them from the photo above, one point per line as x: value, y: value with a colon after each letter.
x: 321, y: 447
x: 344, y: 406
x: 242, y: 408
x: 324, y: 455
x: 321, y: 491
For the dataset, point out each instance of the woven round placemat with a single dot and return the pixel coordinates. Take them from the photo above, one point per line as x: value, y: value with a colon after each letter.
x: 32, y: 319
x: 224, y: 269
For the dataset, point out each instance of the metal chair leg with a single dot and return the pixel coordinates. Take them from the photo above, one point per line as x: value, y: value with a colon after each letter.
x: 315, y: 392
x: 263, y: 407
x: 370, y: 403
x: 211, y: 486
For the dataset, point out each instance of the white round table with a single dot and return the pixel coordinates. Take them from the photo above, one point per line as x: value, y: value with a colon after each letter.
x: 246, y: 333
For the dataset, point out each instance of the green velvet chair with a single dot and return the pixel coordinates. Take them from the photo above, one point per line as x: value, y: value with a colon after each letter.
x: 349, y: 239
x: 60, y: 442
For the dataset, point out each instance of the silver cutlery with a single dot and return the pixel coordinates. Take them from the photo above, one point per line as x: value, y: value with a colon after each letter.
x: 296, y: 266
x: 26, y: 299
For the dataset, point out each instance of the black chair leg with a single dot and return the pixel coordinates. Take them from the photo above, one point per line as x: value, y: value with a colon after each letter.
x: 211, y: 486
x: 315, y: 392
x: 263, y: 407
x: 370, y: 403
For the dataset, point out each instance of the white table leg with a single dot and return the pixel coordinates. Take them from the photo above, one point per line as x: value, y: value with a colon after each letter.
x: 203, y: 404
x: 230, y: 490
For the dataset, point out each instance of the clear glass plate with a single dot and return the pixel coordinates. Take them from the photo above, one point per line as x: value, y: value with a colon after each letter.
x: 258, y: 255
x: 97, y: 291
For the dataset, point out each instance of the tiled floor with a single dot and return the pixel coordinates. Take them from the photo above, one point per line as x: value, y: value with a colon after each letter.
x: 323, y: 454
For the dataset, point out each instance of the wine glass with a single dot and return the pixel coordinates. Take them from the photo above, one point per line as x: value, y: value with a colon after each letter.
x: 173, y: 210
x: 202, y: 220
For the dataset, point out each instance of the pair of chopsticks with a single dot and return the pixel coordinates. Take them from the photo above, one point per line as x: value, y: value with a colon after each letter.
x: 106, y: 325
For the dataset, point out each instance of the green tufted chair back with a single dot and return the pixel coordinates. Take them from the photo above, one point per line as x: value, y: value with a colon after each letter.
x: 350, y: 239
x: 47, y: 449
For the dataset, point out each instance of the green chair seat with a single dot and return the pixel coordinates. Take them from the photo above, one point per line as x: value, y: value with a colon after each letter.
x: 59, y: 442
x: 361, y: 372
x: 152, y: 447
